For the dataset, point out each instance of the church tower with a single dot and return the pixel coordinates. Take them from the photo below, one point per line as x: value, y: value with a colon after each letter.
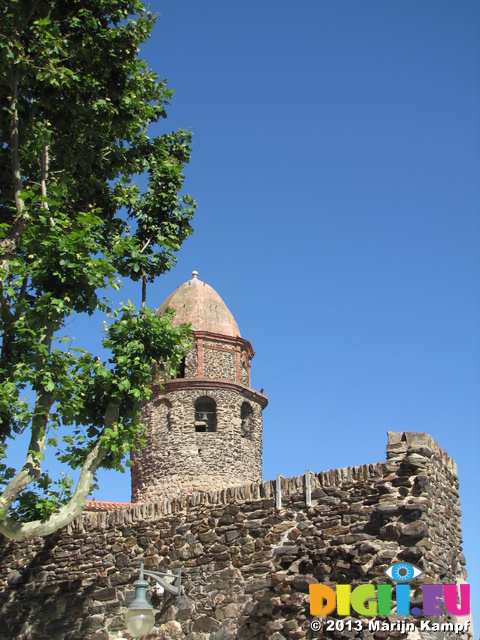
x: 205, y: 425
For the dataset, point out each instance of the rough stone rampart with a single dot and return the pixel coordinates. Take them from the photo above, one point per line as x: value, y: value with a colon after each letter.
x: 246, y: 564
x: 176, y: 459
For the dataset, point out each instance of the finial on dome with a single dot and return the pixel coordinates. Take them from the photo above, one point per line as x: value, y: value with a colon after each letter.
x: 195, y: 274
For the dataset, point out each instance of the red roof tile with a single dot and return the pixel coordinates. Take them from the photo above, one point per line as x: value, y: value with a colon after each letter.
x: 100, y: 505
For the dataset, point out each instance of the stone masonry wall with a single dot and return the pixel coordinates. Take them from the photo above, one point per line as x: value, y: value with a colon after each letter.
x: 246, y: 564
x: 178, y: 460
x: 191, y: 363
x: 219, y: 362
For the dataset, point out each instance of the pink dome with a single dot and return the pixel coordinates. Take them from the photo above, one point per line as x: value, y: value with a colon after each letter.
x: 197, y: 302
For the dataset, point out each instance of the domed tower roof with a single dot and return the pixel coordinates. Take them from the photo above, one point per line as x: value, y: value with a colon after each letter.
x: 197, y: 302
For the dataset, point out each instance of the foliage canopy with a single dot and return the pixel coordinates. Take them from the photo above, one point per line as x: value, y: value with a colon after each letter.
x: 76, y: 102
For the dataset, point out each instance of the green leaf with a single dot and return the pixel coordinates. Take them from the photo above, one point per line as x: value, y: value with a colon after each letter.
x: 80, y: 224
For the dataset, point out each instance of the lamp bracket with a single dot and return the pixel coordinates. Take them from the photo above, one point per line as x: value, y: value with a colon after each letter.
x: 173, y: 588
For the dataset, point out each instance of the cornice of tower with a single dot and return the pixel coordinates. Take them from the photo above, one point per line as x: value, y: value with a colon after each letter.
x: 232, y: 340
x: 206, y: 384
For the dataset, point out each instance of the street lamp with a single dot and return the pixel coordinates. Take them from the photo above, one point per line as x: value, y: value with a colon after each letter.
x: 140, y: 617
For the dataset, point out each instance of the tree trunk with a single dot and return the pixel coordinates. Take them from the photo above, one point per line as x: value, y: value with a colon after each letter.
x: 28, y: 530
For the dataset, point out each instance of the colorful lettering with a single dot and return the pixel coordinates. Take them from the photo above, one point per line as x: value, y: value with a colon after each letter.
x: 366, y: 601
x: 384, y: 594
x: 451, y: 602
x: 322, y: 599
x: 343, y: 599
x: 403, y: 599
x: 362, y: 595
x: 432, y: 599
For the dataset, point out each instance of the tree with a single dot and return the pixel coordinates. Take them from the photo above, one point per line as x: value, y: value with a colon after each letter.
x: 76, y: 104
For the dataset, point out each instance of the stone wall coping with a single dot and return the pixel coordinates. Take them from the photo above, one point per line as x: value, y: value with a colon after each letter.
x: 290, y: 487
x: 176, y: 384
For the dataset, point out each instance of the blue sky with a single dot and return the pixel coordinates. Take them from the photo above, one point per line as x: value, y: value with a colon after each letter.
x: 336, y: 165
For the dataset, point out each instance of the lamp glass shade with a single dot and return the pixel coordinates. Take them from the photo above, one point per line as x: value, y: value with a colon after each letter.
x: 139, y: 621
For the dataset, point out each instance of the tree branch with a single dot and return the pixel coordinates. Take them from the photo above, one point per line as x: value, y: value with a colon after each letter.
x: 24, y: 531
x: 32, y: 469
x: 144, y: 291
x: 17, y: 180
x: 8, y: 245
x: 43, y: 181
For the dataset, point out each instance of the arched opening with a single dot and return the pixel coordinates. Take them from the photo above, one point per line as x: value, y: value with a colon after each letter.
x: 205, y: 415
x: 181, y: 369
x: 246, y: 414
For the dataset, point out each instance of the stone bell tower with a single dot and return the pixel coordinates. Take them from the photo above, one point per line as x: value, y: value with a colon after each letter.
x: 205, y: 425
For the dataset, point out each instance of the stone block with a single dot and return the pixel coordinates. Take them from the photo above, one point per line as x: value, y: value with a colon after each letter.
x: 222, y: 634
x: 14, y: 578
x: 417, y: 529
x: 230, y: 611
x: 418, y: 438
x: 109, y: 593
x: 286, y: 550
x: 206, y: 624
x: 302, y: 582
x: 388, y: 509
x: 416, y: 461
x: 394, y: 437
